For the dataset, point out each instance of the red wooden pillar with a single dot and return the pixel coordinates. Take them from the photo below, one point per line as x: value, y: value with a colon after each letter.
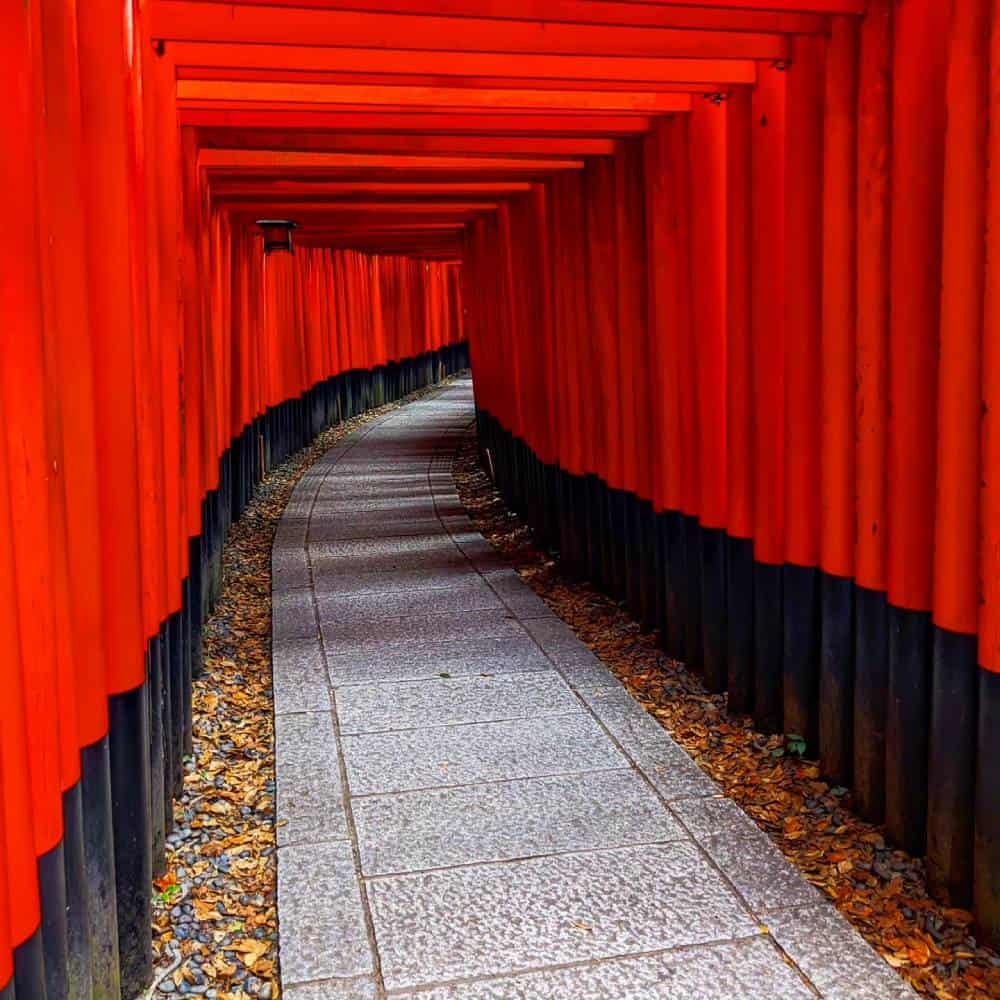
x: 708, y: 133
x: 986, y: 858
x: 104, y: 47
x: 768, y: 338
x: 803, y: 338
x: 920, y: 45
x: 17, y: 806
x: 6, y: 943
x: 874, y: 164
x: 599, y: 206
x: 29, y: 487
x: 951, y: 759
x: 837, y: 423
x: 739, y: 402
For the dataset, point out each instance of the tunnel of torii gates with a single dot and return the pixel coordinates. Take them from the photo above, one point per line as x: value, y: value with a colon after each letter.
x: 725, y: 274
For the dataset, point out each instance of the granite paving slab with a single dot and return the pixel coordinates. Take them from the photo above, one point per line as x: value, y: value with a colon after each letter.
x: 457, y: 573
x: 310, y: 801
x: 473, y: 594
x: 300, y: 679
x: 347, y: 636
x: 835, y: 958
x: 463, y: 755
x: 443, y: 701
x: 490, y: 919
x: 513, y: 824
x: 323, y: 932
x: 505, y: 820
x: 746, y: 968
x: 486, y: 656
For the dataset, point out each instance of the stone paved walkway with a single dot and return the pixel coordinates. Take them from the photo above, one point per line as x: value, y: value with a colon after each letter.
x: 470, y: 805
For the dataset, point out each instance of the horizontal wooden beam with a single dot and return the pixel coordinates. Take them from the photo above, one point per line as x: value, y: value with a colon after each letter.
x: 406, y: 122
x: 348, y: 211
x: 289, y: 162
x: 188, y: 20
x: 423, y: 80
x: 609, y: 12
x: 189, y: 57
x: 375, y: 142
x: 278, y: 189
x: 254, y: 92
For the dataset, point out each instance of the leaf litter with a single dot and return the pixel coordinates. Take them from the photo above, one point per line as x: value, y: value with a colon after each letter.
x: 215, y: 931
x: 882, y: 891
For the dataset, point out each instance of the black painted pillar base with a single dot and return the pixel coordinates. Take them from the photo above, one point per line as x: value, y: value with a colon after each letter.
x: 633, y: 556
x: 951, y: 765
x: 906, y: 728
x: 871, y: 680
x: 662, y: 573
x: 129, y: 741
x: 55, y: 944
x: 694, y: 658
x: 195, y: 603
x: 99, y: 870
x: 800, y: 653
x: 154, y: 708
x: 167, y: 712
x: 29, y: 969
x: 713, y: 608
x: 618, y: 587
x: 836, y: 678
x: 739, y: 625
x: 648, y: 565
x: 78, y: 945
x: 987, y: 815
x: 175, y: 669
x: 769, y: 643
x: 676, y: 581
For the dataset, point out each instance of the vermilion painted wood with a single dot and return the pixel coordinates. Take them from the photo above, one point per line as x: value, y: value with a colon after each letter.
x: 20, y: 797
x: 989, y: 550
x: 707, y: 140
x: 380, y: 143
x: 191, y: 59
x: 803, y: 299
x: 697, y: 82
x: 739, y: 352
x: 16, y: 773
x: 437, y: 123
x: 920, y: 35
x: 265, y: 92
x: 31, y: 665
x: 599, y: 180
x: 873, y: 249
x: 839, y: 303
x: 963, y: 272
x: 684, y: 338
x: 69, y: 377
x: 731, y: 18
x: 165, y: 207
x: 768, y: 315
x: 335, y: 191
x: 630, y: 219
x: 669, y: 305
x: 282, y: 162
x: 6, y: 946
x: 183, y: 20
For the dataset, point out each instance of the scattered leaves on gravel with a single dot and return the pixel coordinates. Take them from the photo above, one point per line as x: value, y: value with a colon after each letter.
x: 214, y: 910
x: 880, y: 890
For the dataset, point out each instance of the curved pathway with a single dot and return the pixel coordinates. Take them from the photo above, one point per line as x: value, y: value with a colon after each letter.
x: 470, y: 805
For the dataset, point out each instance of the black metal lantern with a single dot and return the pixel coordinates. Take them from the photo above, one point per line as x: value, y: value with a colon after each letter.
x: 277, y: 235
